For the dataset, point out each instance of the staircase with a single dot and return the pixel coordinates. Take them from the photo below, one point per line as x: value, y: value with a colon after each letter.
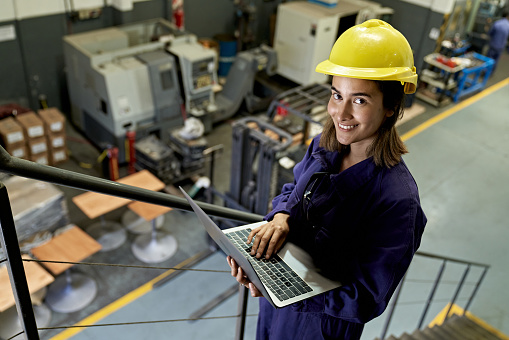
x: 456, y: 327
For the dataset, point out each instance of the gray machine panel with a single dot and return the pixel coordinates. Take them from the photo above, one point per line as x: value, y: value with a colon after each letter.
x: 165, y: 89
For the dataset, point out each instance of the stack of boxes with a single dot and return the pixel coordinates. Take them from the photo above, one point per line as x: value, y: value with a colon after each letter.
x: 35, y: 137
x: 54, y: 125
x: 38, y: 137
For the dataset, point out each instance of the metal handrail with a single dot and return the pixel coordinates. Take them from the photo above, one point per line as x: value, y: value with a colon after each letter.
x: 24, y: 168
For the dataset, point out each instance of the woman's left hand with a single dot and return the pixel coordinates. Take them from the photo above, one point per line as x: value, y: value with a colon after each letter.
x: 241, y: 278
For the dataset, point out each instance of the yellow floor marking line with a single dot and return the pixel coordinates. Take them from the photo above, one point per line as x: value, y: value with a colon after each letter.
x: 454, y: 109
x: 121, y: 302
x: 455, y: 309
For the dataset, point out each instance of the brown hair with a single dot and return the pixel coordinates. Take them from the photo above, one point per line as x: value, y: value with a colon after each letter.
x: 387, y: 147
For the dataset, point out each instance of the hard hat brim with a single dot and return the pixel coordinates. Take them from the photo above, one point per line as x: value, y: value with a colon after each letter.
x: 403, y: 74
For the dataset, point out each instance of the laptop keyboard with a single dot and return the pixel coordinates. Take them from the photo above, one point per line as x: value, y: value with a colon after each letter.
x: 274, y: 272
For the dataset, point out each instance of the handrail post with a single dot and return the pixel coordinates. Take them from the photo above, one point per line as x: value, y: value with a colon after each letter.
x: 476, y: 288
x: 242, y: 311
x: 456, y: 293
x: 432, y: 294
x: 9, y: 240
x: 391, y: 309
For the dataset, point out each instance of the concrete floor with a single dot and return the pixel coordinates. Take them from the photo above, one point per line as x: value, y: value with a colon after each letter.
x: 459, y: 165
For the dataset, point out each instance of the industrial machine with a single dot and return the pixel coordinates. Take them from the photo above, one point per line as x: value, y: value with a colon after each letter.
x: 306, y: 31
x: 148, y: 77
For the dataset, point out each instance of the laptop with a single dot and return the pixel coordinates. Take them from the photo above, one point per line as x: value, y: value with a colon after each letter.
x: 287, y: 277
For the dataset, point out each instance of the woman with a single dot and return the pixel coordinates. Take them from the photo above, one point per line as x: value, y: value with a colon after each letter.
x: 353, y: 205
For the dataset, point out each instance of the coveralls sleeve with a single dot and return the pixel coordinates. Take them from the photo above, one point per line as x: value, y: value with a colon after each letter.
x: 279, y: 203
x: 386, y: 250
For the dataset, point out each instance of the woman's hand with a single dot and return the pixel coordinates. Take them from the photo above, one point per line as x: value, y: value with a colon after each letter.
x: 241, y: 278
x: 270, y: 236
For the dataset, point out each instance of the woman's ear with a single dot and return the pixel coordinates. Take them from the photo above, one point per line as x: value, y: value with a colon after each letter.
x: 389, y: 113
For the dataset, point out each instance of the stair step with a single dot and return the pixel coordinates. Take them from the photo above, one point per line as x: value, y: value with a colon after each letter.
x: 429, y: 333
x: 406, y: 336
x: 455, y: 332
x: 455, y: 328
x: 419, y: 334
x: 440, y: 333
x: 460, y: 325
x: 481, y: 331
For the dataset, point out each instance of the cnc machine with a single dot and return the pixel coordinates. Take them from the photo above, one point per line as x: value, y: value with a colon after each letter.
x: 148, y: 77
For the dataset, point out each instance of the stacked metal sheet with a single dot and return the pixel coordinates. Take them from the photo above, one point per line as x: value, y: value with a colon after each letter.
x: 36, y: 206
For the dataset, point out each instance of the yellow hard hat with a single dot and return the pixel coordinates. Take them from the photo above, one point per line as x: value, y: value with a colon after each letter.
x: 373, y: 50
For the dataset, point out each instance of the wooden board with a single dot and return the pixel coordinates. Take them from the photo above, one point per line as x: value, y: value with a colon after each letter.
x: 37, y: 278
x: 148, y: 211
x: 72, y: 245
x: 95, y: 205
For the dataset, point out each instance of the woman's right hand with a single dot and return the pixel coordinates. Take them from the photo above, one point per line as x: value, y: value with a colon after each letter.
x: 241, y: 278
x: 270, y: 236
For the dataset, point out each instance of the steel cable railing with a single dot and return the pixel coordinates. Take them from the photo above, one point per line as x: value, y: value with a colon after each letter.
x: 435, y: 284
x: 9, y: 241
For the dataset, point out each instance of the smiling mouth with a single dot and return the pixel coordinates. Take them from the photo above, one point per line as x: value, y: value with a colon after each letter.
x: 347, y: 127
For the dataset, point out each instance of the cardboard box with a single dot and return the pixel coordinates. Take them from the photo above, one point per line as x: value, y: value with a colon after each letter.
x: 11, y: 132
x: 57, y: 155
x: 32, y: 124
x: 53, y: 119
x: 37, y: 145
x: 17, y: 150
x: 41, y: 158
x: 56, y: 140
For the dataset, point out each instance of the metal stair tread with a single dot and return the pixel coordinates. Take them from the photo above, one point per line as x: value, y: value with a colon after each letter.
x: 480, y: 330
x: 462, y: 322
x: 429, y: 333
x: 456, y: 333
x: 406, y: 336
x: 420, y: 334
x: 440, y: 333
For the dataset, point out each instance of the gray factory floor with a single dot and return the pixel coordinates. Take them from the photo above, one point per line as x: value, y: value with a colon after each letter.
x: 458, y: 161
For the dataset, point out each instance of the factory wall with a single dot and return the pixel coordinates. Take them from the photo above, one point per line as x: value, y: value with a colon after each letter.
x: 31, y: 32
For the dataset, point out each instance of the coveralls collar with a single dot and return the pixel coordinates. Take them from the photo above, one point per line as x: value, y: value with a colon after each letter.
x: 350, y: 180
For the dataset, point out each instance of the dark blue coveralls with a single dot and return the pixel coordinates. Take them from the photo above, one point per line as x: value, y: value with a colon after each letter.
x: 361, y: 226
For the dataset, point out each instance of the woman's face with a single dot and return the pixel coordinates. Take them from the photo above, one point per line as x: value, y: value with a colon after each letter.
x: 356, y: 107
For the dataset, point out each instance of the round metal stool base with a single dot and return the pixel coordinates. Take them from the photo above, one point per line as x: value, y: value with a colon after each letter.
x: 151, y: 249
x: 136, y: 224
x: 68, y: 297
x: 110, y: 235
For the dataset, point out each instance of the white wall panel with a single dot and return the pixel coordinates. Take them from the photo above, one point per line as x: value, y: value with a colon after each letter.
x: 7, y: 10
x: 35, y: 8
